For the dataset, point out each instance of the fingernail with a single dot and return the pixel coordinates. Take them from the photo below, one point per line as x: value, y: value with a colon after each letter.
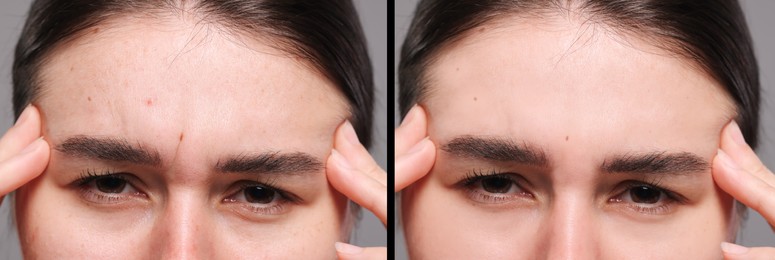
x: 418, y: 146
x: 726, y: 160
x: 409, y: 115
x: 24, y: 116
x: 340, y: 160
x: 349, y: 133
x: 32, y: 146
x: 347, y: 248
x: 734, y: 249
x: 735, y: 133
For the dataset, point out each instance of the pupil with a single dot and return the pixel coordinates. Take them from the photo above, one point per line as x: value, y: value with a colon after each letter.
x: 644, y: 194
x: 496, y: 185
x: 110, y: 184
x: 259, y: 195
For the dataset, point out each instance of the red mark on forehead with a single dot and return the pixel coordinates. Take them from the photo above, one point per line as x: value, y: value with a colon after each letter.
x: 149, y: 102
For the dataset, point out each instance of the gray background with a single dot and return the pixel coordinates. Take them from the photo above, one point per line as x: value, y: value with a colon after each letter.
x: 756, y: 231
x: 370, y: 231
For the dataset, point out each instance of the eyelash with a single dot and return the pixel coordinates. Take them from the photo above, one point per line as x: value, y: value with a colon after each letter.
x: 90, y: 175
x: 91, y: 194
x: 475, y: 176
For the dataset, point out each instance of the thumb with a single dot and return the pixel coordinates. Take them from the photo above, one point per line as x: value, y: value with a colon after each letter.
x: 734, y: 251
x: 350, y: 252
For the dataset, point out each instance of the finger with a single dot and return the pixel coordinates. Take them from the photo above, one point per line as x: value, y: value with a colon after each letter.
x: 346, y: 142
x: 744, y: 186
x: 24, y: 166
x: 26, y: 130
x: 357, y: 185
x: 350, y: 252
x: 733, y: 252
x: 733, y: 143
x: 414, y: 164
x: 413, y: 128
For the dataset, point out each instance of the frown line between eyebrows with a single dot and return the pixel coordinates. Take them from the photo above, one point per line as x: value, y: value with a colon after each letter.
x: 271, y: 163
x: 496, y: 149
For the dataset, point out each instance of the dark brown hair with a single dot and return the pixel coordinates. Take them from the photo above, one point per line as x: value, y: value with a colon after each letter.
x: 327, y: 34
x: 712, y: 33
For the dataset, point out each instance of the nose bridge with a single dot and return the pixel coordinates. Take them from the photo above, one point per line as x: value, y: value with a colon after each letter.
x: 573, y: 232
x: 183, y: 227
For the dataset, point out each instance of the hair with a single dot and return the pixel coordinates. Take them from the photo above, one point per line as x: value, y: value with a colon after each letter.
x: 711, y: 33
x: 326, y: 34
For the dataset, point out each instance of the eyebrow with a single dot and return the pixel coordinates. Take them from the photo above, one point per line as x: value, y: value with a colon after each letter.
x: 506, y: 150
x: 495, y: 149
x: 679, y: 163
x: 109, y: 149
x: 122, y: 151
x: 271, y: 163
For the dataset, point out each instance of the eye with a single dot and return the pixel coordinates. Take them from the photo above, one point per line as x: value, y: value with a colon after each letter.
x: 494, y: 188
x: 260, y: 199
x: 645, y: 195
x: 260, y: 195
x: 107, y: 188
x: 647, y: 198
x: 110, y: 184
x: 497, y: 184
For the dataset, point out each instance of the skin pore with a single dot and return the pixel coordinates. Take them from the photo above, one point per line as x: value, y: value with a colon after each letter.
x: 189, y: 116
x: 601, y: 145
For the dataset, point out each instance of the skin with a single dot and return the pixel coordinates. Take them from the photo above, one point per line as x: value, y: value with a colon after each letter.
x: 582, y: 95
x: 143, y: 80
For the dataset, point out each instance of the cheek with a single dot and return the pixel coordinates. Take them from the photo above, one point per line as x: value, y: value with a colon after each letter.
x: 51, y: 226
x: 308, y: 233
x: 440, y: 223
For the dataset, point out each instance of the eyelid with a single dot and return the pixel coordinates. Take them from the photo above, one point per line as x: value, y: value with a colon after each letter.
x: 91, y: 174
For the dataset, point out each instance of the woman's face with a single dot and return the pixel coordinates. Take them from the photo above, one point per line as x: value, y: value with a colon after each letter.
x: 558, y: 139
x: 216, y: 145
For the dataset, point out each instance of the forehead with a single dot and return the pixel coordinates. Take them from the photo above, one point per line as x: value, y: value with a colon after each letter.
x: 160, y: 79
x: 553, y: 79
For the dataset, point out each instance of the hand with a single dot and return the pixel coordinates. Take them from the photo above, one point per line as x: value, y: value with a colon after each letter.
x: 738, y: 171
x: 23, y: 153
x: 353, y: 172
x: 415, y: 153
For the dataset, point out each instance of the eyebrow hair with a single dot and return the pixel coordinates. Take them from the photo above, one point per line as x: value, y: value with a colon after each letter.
x: 496, y: 149
x: 108, y: 149
x: 656, y: 163
x: 270, y: 163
